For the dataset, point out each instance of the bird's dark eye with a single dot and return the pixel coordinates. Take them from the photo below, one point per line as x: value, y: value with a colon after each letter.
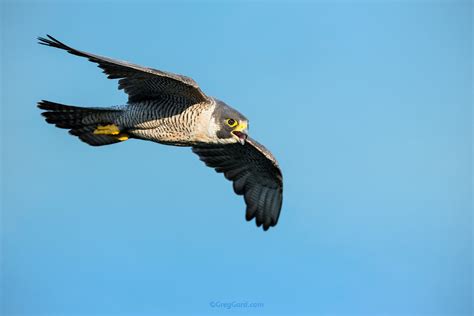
x: 231, y: 122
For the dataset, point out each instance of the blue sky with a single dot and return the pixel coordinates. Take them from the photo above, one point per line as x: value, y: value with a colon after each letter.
x: 367, y: 106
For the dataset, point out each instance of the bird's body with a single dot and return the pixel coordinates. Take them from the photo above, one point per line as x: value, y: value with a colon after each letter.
x: 171, y: 109
x: 164, y: 123
x: 153, y: 120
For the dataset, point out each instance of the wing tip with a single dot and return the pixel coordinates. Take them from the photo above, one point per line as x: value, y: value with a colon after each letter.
x: 52, y: 42
x: 264, y: 224
x: 269, y: 216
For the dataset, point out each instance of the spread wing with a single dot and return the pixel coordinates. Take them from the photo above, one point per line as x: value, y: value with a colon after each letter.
x: 140, y: 83
x: 255, y: 175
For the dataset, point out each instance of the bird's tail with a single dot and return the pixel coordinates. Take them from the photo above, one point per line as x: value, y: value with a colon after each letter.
x: 94, y: 126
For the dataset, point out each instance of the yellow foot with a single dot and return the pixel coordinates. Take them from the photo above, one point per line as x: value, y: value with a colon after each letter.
x: 122, y: 137
x: 111, y: 129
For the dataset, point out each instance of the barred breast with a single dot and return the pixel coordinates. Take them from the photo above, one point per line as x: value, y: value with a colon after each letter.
x: 169, y: 120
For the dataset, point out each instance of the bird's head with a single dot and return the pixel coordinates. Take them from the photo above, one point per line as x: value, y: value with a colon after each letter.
x: 231, y: 126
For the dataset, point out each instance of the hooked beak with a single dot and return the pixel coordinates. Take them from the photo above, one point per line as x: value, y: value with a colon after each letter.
x: 240, y: 132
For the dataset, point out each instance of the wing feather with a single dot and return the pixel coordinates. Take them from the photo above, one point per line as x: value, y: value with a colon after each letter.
x: 140, y: 83
x: 261, y: 206
x: 255, y: 174
x: 239, y: 184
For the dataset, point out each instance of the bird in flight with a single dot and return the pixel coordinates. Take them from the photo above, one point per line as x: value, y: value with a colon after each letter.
x: 171, y: 109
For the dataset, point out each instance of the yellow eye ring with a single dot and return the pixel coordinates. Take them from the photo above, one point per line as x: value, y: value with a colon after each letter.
x: 231, y: 122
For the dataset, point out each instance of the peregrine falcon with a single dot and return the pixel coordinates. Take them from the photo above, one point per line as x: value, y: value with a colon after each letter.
x: 171, y: 109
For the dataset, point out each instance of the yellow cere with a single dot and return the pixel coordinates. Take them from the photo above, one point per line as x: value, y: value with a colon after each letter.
x: 241, y: 127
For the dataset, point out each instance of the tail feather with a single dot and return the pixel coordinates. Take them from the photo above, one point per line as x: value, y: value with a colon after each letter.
x: 82, y: 122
